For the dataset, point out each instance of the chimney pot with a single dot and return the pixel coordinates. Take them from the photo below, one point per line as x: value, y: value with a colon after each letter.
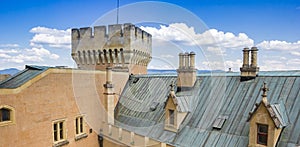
x: 181, y: 60
x: 187, y: 60
x: 192, y: 60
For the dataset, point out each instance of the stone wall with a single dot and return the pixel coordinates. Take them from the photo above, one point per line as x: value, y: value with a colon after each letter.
x: 51, y: 96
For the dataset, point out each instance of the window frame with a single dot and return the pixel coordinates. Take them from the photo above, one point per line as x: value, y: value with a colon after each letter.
x: 11, y: 117
x: 61, y: 132
x: 79, y: 125
x: 264, y: 134
x: 171, y: 117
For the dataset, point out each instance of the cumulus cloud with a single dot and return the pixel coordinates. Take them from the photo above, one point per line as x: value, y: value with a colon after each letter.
x: 181, y: 33
x: 14, y: 54
x: 216, y: 44
x: 279, y: 45
x: 53, y: 37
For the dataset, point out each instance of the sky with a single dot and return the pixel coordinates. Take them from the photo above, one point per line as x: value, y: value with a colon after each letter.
x: 37, y: 32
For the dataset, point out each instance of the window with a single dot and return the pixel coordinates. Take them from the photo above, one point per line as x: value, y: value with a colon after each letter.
x: 59, y: 131
x: 171, y: 117
x: 79, y: 125
x: 262, y: 134
x: 219, y: 122
x: 5, y: 114
x: 79, y: 128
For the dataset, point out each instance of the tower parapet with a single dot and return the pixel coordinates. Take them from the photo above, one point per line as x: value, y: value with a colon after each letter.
x: 120, y: 46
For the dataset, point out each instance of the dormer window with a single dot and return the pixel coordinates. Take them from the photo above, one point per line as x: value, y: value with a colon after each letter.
x: 171, y: 117
x: 262, y: 134
x: 266, y: 122
x: 176, y: 109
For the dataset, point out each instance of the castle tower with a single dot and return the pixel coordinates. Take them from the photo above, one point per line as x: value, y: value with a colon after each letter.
x: 120, y: 46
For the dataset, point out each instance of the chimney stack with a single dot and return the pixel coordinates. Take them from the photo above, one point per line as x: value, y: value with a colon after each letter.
x: 246, y: 57
x: 253, y: 57
x: 181, y: 60
x: 186, y: 60
x: 192, y: 60
x: 109, y: 96
x: 186, y: 73
x: 249, y: 71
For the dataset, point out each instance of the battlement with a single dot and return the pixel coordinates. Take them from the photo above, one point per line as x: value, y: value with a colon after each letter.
x: 120, y: 30
x: 118, y: 45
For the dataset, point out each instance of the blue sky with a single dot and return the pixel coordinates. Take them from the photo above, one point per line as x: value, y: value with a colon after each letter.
x: 272, y: 25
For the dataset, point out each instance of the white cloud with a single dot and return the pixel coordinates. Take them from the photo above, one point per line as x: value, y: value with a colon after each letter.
x: 167, y: 56
x: 8, y: 45
x: 295, y: 53
x: 234, y: 65
x: 12, y: 51
x: 4, y: 55
x: 180, y: 32
x: 161, y: 67
x: 279, y: 45
x: 17, y: 57
x: 53, y: 37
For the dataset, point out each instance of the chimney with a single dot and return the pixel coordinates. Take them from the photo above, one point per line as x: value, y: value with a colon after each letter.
x: 192, y: 60
x: 186, y: 73
x: 246, y: 57
x: 186, y: 60
x: 181, y: 60
x: 253, y: 57
x: 109, y: 95
x: 249, y: 71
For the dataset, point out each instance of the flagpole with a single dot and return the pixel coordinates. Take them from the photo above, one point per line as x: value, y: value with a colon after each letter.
x: 118, y: 4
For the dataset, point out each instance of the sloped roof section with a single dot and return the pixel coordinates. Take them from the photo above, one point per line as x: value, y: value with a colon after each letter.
x: 23, y: 76
x: 212, y: 96
x: 281, y: 119
x: 182, y: 104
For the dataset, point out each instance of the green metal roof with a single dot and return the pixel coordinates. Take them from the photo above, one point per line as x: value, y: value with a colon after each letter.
x: 23, y: 76
x: 214, y: 95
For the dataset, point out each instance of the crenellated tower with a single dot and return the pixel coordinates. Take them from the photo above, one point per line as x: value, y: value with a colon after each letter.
x: 119, y: 46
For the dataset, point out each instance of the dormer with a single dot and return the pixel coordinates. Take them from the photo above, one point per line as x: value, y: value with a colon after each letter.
x: 266, y: 122
x: 176, y: 109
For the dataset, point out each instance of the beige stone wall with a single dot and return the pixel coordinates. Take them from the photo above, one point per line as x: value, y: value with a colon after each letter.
x: 52, y: 97
x: 186, y: 78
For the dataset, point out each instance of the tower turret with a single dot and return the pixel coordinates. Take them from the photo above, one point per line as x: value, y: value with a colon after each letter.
x: 120, y: 46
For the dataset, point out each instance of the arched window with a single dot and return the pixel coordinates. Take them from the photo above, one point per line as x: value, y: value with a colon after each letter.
x: 6, y: 115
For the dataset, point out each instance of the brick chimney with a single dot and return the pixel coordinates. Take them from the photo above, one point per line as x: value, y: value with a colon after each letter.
x: 249, y: 71
x: 186, y: 73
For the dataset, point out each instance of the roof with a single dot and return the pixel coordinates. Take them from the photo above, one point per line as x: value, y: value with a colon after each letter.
x: 23, y: 76
x: 214, y: 95
x: 182, y: 104
x: 277, y: 113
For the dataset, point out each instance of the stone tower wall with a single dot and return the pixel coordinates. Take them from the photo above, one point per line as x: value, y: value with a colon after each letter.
x: 121, y: 46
